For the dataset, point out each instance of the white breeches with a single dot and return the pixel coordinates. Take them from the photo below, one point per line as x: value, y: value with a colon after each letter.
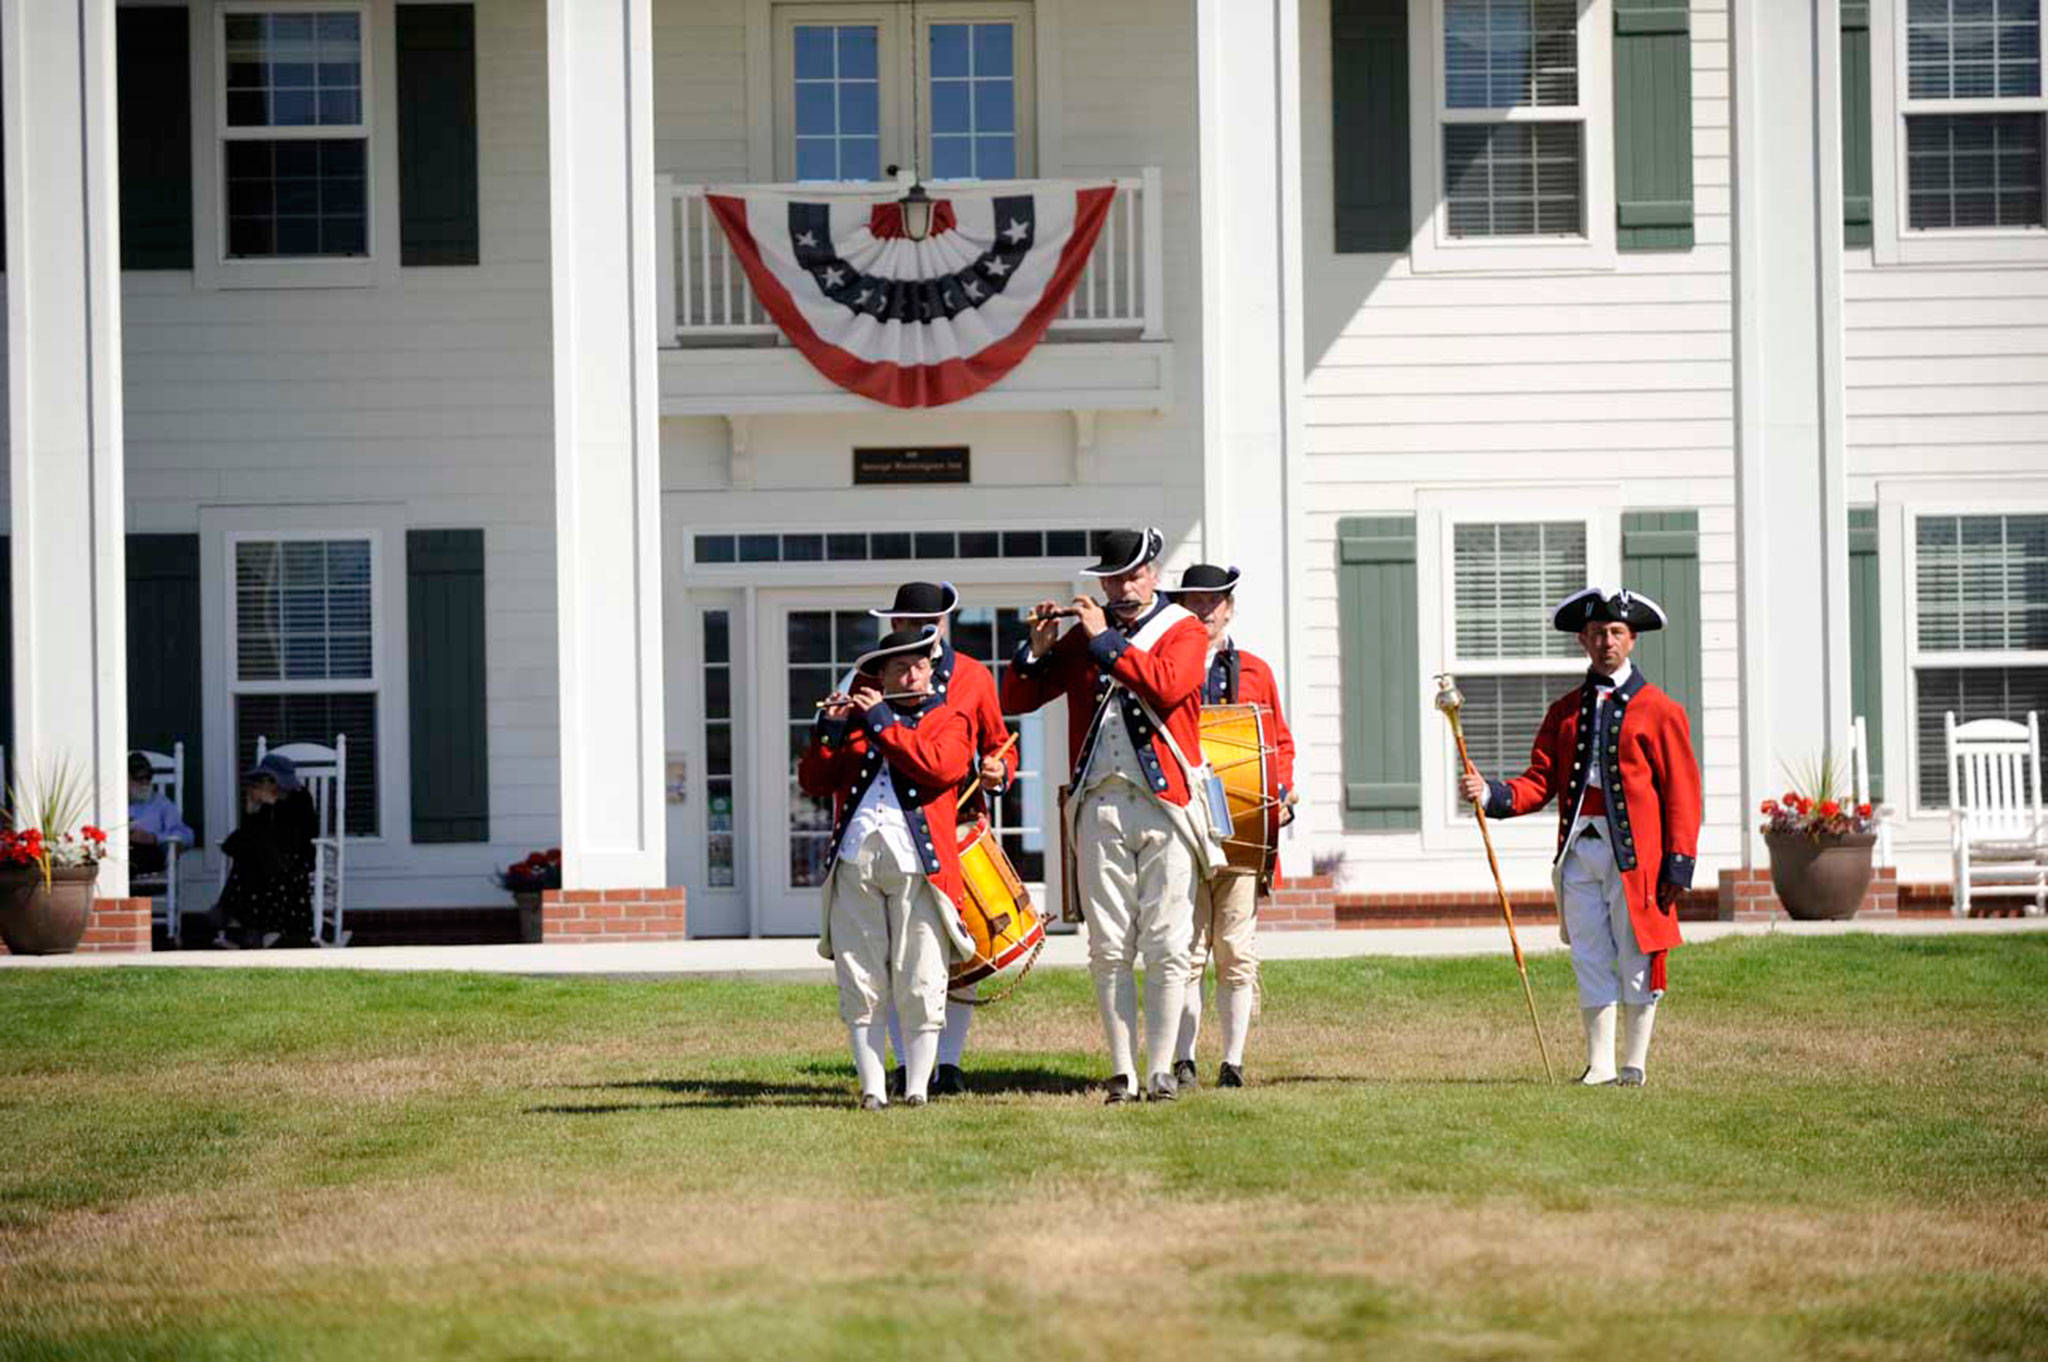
x: 1593, y: 903
x: 887, y: 942
x: 1137, y: 885
x: 1226, y: 927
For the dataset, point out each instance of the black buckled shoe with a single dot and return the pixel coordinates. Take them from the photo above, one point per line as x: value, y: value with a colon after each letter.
x: 1184, y: 1075
x: 1629, y: 1077
x: 1161, y: 1089
x: 949, y: 1081
x: 1230, y: 1075
x: 1122, y: 1088
x: 870, y: 1102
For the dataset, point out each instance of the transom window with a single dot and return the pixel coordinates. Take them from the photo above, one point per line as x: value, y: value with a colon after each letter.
x: 1513, y: 125
x: 1510, y: 664
x: 1979, y: 632
x: 858, y: 87
x: 303, y: 628
x: 295, y: 132
x: 1974, y: 114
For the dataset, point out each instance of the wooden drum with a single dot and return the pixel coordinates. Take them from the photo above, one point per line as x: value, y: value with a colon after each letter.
x: 1234, y: 741
x: 1006, y: 929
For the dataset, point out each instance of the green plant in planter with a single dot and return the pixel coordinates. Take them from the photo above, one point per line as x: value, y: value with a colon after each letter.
x: 49, y: 857
x: 1820, y: 843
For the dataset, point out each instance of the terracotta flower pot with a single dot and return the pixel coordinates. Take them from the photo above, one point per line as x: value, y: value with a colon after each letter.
x: 529, y: 914
x: 1820, y: 879
x: 45, y: 920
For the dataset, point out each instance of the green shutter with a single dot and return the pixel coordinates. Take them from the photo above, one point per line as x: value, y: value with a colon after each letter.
x: 1660, y: 557
x: 164, y: 639
x: 1652, y: 125
x: 444, y: 616
x: 1369, y: 109
x: 437, y: 172
x: 1381, y: 672
x: 1856, y: 127
x: 153, y: 102
x: 1866, y: 639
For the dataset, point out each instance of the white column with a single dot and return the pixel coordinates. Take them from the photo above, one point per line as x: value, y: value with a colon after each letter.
x: 1249, y: 107
x: 1791, y: 479
x: 607, y: 441
x: 64, y: 404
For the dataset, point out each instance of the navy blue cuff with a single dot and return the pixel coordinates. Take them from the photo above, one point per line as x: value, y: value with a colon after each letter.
x: 1108, y: 646
x: 1500, y: 800
x: 879, y: 718
x: 1023, y: 663
x: 829, y: 732
x: 1677, y: 870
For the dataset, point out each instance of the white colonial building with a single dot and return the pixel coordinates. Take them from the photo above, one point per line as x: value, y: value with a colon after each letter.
x: 380, y: 368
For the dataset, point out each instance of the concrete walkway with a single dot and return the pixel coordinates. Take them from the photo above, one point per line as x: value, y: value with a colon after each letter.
x: 797, y: 958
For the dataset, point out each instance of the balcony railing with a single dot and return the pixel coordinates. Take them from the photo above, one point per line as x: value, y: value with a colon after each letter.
x: 706, y: 301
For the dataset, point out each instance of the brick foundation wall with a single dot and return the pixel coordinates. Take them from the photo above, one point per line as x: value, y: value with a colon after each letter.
x: 1300, y: 905
x: 611, y: 915
x: 114, y: 925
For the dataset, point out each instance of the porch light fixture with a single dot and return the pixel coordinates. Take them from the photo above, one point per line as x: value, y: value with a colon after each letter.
x: 916, y: 207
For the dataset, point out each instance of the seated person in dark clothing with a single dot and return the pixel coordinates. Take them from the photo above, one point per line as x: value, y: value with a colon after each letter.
x: 268, y: 899
x: 156, y: 830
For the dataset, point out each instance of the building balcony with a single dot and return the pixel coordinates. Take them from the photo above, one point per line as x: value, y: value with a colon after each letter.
x: 722, y: 355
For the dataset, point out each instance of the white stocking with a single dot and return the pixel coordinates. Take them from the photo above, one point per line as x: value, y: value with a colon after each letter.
x: 1636, y: 1021
x: 1599, y: 1044
x: 867, y: 1057
x: 1118, y: 999
x: 924, y: 1051
x: 1191, y: 1018
x: 953, y: 1040
x: 1164, y: 990
x: 1234, y: 1010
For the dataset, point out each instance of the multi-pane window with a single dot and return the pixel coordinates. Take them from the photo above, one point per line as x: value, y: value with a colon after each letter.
x: 1980, y: 629
x: 721, y: 846
x: 862, y: 88
x: 1505, y: 579
x: 1513, y: 121
x: 1974, y: 114
x: 295, y: 134
x: 822, y: 646
x: 303, y: 630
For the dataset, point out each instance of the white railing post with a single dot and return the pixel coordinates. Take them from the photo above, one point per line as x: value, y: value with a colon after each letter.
x: 1155, y: 266
x: 664, y: 260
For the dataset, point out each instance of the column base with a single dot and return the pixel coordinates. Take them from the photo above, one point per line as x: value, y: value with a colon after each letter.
x: 572, y: 915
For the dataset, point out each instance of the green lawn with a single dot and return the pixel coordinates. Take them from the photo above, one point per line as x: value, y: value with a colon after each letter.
x: 1843, y: 1153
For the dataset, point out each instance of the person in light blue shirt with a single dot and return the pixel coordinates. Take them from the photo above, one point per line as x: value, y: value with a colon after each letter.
x: 154, y: 823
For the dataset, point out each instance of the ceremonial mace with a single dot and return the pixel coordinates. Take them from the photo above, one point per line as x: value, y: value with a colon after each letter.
x: 1450, y: 701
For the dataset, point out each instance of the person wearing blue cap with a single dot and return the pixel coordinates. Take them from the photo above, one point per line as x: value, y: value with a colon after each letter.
x: 268, y: 897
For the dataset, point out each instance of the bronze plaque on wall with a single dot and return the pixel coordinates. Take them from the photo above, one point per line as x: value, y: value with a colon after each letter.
x: 923, y: 464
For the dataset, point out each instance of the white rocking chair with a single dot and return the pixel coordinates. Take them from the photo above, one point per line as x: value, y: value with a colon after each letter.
x: 324, y: 773
x: 1995, y: 828
x: 167, y: 774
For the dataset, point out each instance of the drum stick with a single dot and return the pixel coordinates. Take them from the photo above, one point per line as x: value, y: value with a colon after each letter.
x: 999, y: 753
x: 1450, y: 701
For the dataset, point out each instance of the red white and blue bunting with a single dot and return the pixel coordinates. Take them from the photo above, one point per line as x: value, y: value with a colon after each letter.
x: 915, y: 323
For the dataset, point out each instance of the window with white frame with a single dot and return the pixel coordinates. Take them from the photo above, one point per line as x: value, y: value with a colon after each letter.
x: 1514, y: 129
x: 858, y: 87
x: 1973, y: 114
x: 303, y: 655
x: 294, y: 126
x: 1979, y: 636
x: 1505, y: 578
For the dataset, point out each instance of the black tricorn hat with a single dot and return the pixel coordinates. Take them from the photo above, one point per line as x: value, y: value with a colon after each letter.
x: 921, y: 600
x: 1598, y: 605
x: 1205, y: 577
x: 1124, y: 551
x: 920, y: 641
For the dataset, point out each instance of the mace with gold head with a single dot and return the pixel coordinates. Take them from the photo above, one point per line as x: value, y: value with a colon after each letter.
x: 1450, y: 701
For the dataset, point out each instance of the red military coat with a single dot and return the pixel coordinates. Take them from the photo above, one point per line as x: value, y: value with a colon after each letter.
x: 1652, y: 785
x: 968, y: 686
x: 926, y: 751
x: 1166, y: 674
x: 1237, y: 677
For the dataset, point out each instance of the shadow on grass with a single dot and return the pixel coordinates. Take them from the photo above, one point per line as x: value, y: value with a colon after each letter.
x: 1381, y: 1081
x: 703, y: 1093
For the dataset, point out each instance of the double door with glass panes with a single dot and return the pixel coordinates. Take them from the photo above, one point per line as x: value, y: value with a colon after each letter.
x: 754, y: 849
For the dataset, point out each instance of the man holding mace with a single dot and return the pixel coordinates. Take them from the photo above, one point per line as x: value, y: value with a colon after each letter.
x: 964, y: 683
x: 1141, y: 843
x: 1226, y: 906
x: 1617, y: 754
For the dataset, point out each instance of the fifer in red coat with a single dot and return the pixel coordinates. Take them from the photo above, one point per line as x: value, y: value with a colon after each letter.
x: 1166, y: 675
x: 1652, y: 785
x: 926, y: 752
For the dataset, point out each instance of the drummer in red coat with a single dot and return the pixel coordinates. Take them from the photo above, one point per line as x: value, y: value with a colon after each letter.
x: 1132, y: 677
x: 1617, y: 755
x: 1226, y: 907
x: 966, y: 685
x: 889, y: 925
